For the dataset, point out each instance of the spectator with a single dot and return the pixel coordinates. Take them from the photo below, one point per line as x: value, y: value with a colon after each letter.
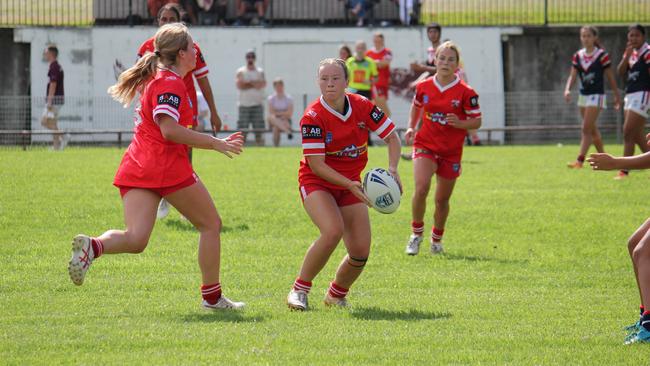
x: 345, y: 52
x: 280, y: 111
x: 408, y: 11
x: 187, y: 7
x: 54, y: 97
x: 212, y: 12
x: 203, y: 117
x: 359, y: 9
x: 434, y: 31
x: 251, y: 83
x: 155, y: 5
x: 245, y: 6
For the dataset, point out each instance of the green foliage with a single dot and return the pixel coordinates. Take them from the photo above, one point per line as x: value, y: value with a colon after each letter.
x: 536, y: 270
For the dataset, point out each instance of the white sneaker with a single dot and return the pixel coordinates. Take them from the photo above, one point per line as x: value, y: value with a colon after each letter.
x: 335, y: 301
x: 297, y: 300
x: 82, y: 258
x: 223, y: 304
x: 413, y: 246
x: 436, y: 247
x: 163, y: 209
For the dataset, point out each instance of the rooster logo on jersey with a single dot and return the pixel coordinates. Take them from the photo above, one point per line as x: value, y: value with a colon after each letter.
x: 455, y: 103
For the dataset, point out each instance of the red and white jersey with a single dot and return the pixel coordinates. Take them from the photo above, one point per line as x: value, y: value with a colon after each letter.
x: 341, y: 138
x: 200, y: 71
x: 438, y: 101
x: 151, y: 161
x: 385, y: 54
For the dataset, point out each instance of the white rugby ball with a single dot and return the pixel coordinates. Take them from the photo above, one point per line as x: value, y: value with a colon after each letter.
x: 382, y: 189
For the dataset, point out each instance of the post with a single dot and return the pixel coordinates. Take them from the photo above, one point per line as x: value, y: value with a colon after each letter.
x: 545, y: 12
x: 271, y: 13
x: 130, y: 13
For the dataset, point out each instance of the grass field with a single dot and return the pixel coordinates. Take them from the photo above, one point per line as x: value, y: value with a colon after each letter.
x: 536, y: 270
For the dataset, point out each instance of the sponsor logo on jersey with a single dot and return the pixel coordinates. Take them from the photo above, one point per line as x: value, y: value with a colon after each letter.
x: 436, y: 117
x: 351, y: 151
x: 328, y: 137
x: 589, y: 78
x: 312, y: 132
x: 455, y: 103
x: 473, y: 101
x: 169, y: 99
x: 376, y: 114
x: 632, y: 76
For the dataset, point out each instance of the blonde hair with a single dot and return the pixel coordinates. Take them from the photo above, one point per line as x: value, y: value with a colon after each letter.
x: 449, y: 45
x: 168, y: 41
x: 335, y: 61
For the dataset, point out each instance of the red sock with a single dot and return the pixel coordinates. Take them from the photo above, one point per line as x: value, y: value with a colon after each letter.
x: 436, y: 234
x: 647, y: 312
x: 98, y: 247
x: 641, y: 309
x: 211, y: 293
x: 301, y: 285
x: 417, y: 227
x: 337, y: 291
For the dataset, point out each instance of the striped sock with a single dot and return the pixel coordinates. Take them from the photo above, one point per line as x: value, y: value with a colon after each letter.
x: 301, y: 285
x: 436, y: 234
x: 417, y: 227
x: 98, y: 247
x: 337, y: 291
x: 211, y: 293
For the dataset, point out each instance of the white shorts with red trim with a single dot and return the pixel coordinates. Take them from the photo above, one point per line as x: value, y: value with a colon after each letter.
x: 638, y: 102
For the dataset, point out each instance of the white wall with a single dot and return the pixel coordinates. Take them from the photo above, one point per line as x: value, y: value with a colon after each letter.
x: 88, y: 57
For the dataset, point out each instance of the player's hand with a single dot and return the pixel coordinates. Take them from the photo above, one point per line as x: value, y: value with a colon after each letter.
x: 453, y: 120
x: 647, y: 137
x: 230, y: 145
x: 602, y: 161
x: 395, y: 175
x: 357, y: 189
x: 617, y: 102
x: 629, y: 49
x: 215, y: 121
x: 409, y: 135
x: 567, y: 96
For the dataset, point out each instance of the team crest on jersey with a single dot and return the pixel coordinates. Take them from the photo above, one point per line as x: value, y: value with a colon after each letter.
x: 425, y: 99
x: 328, y: 137
x: 455, y: 167
x: 455, y: 103
x: 311, y: 113
x: 361, y: 125
x: 312, y: 132
x: 473, y: 101
x: 169, y: 99
x: 376, y: 114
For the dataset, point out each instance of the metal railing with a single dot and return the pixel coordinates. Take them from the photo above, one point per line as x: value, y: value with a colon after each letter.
x: 334, y: 12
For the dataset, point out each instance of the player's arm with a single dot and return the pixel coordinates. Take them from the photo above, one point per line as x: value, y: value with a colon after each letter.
x: 415, y: 114
x: 206, y: 89
x: 625, y: 61
x: 172, y: 131
x: 603, y: 161
x: 394, y: 152
x: 289, y: 112
x: 466, y: 124
x: 50, y: 93
x: 320, y: 168
x: 569, y: 84
x: 609, y: 73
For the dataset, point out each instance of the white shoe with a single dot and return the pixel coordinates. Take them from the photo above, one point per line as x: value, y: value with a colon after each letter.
x: 223, y: 304
x: 82, y: 258
x: 436, y: 247
x: 413, y: 246
x: 163, y: 209
x: 335, y: 301
x: 297, y: 300
x: 64, y: 141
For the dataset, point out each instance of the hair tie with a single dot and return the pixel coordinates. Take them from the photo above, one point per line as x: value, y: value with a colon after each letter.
x: 157, y: 53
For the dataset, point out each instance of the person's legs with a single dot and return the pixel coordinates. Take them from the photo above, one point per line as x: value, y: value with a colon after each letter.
x: 632, y: 244
x: 243, y: 122
x: 423, y: 170
x: 356, y: 237
x: 589, y: 117
x: 633, y: 134
x: 258, y: 123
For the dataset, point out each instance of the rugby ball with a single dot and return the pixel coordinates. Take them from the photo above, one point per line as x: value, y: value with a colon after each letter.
x: 382, y: 189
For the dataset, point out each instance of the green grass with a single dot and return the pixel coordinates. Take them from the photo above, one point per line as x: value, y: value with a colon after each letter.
x: 536, y: 270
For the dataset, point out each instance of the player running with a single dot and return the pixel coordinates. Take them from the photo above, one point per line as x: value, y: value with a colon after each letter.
x: 156, y: 164
x: 636, y: 63
x: 335, y: 147
x: 638, y: 244
x: 171, y: 13
x: 591, y: 64
x: 448, y: 108
x: 382, y: 57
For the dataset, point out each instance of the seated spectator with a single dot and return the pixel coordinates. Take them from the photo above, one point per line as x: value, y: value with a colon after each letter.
x: 212, y: 12
x: 188, y: 12
x: 246, y: 6
x: 280, y: 111
x: 155, y: 5
x: 359, y: 9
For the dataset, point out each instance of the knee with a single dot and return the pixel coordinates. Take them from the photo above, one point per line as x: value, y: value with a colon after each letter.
x: 629, y: 134
x: 640, y: 251
x: 138, y: 242
x: 442, y: 202
x: 421, y: 191
x: 213, y: 225
x: 332, y: 235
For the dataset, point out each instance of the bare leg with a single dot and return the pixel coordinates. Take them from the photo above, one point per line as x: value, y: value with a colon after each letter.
x: 356, y: 236
x: 325, y: 214
x: 632, y: 244
x: 444, y: 189
x: 641, y: 255
x: 423, y: 169
x: 633, y: 133
x: 589, y: 117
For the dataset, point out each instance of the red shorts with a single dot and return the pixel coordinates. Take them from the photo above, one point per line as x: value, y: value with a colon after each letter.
x: 343, y: 197
x: 448, y: 167
x: 380, y: 91
x: 163, y: 191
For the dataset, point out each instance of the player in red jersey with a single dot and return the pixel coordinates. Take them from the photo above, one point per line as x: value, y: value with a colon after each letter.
x: 171, y: 13
x: 335, y: 147
x: 638, y: 244
x: 591, y: 64
x: 156, y: 164
x: 382, y: 56
x: 450, y: 108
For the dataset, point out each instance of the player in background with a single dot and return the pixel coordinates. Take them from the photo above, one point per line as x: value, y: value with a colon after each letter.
x: 335, y: 151
x: 363, y: 74
x: 591, y: 64
x: 636, y: 64
x: 638, y: 244
x: 448, y: 108
x: 382, y: 57
x: 156, y: 164
x: 172, y: 13
x: 345, y: 52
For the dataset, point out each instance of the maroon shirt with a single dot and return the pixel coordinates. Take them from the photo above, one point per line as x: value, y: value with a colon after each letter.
x: 55, y: 74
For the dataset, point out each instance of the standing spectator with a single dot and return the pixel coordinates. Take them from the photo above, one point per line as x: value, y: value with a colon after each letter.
x: 54, y: 97
x: 244, y: 6
x: 359, y: 9
x: 280, y: 111
x: 204, y: 113
x: 434, y: 31
x: 212, y: 12
x: 251, y: 83
x: 382, y: 57
x: 345, y: 52
x: 363, y: 74
x: 408, y: 10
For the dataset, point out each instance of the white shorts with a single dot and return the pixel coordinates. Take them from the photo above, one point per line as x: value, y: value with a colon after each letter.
x: 592, y: 100
x: 638, y: 102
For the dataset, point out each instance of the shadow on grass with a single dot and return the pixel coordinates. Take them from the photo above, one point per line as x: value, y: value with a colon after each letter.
x: 474, y: 258
x: 240, y: 227
x: 375, y: 313
x: 221, y: 316
x: 184, y: 225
